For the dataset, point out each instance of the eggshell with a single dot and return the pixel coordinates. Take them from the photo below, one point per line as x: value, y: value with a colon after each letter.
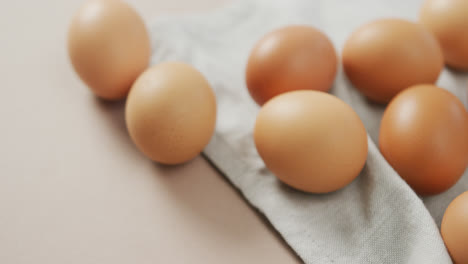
x: 290, y: 58
x: 311, y: 140
x: 424, y: 137
x: 108, y: 46
x: 448, y: 20
x: 171, y: 112
x: 386, y: 56
x: 454, y: 229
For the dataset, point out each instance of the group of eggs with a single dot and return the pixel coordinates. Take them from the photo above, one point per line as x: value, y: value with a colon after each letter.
x: 309, y: 139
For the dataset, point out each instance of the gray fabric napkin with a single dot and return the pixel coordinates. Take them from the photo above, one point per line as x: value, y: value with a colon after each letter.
x: 377, y: 218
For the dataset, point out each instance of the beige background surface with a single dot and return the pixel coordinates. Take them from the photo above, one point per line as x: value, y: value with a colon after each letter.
x: 74, y: 189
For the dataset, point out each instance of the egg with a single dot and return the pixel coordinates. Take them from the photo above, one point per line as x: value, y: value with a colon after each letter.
x: 386, y: 56
x: 108, y: 46
x: 290, y: 58
x: 454, y: 229
x: 311, y: 140
x: 447, y: 20
x: 171, y: 112
x: 424, y: 137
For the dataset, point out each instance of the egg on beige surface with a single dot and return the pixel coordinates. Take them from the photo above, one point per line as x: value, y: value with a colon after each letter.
x: 311, y: 140
x: 108, y: 46
x: 171, y: 112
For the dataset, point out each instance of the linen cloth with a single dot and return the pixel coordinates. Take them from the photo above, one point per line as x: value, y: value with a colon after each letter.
x: 377, y: 218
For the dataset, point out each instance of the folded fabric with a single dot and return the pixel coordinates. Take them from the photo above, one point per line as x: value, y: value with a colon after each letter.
x: 377, y: 218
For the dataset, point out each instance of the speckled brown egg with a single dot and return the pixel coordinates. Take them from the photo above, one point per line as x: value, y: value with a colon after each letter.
x: 424, y: 137
x: 288, y: 59
x: 388, y: 55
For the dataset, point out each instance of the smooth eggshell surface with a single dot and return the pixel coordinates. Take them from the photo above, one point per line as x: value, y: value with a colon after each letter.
x: 424, y: 137
x: 454, y: 229
x: 171, y: 112
x: 311, y: 140
x: 108, y: 46
x: 290, y: 58
x: 386, y: 56
x: 448, y: 20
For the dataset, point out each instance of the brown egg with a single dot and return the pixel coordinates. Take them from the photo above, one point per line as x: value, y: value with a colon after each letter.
x: 171, y: 112
x: 424, y: 137
x: 448, y: 20
x: 454, y: 229
x: 386, y: 56
x: 290, y: 58
x: 311, y: 140
x: 108, y: 46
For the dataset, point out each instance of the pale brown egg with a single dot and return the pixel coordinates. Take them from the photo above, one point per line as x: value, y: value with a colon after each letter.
x: 290, y: 58
x: 424, y: 137
x: 448, y: 20
x: 386, y: 56
x: 108, y: 46
x: 454, y: 229
x: 311, y: 140
x: 171, y: 112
